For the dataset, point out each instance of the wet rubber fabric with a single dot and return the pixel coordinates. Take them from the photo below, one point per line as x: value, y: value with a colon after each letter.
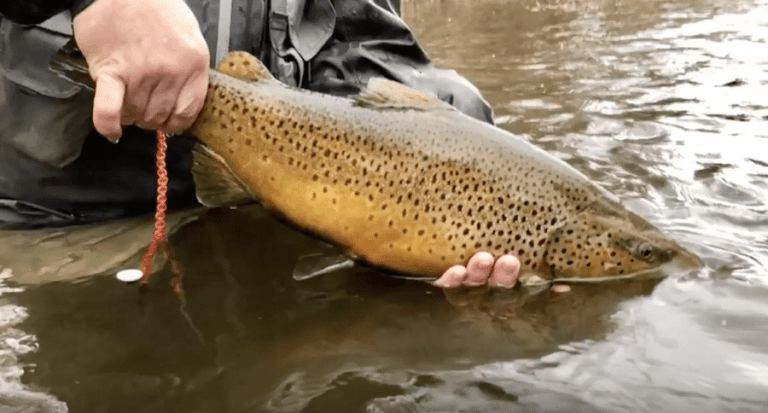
x: 55, y: 170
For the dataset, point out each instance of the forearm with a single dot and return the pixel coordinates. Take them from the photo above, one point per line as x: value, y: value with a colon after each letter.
x: 36, y: 11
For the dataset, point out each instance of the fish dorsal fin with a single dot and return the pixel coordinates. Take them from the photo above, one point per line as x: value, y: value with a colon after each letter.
x: 387, y: 94
x: 215, y: 183
x: 244, y: 66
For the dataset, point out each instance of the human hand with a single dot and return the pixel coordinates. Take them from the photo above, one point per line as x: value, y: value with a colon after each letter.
x: 149, y: 61
x: 481, y: 270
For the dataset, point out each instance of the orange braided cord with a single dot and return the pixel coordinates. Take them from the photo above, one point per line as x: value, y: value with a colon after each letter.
x: 160, y: 238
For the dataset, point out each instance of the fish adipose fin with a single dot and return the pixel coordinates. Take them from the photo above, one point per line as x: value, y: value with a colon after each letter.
x: 387, y: 94
x: 243, y: 65
x: 215, y: 183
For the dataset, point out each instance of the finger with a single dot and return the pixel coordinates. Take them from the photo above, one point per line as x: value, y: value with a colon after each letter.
x: 561, y: 288
x: 479, y: 268
x: 189, y: 103
x: 108, y: 105
x: 505, y: 272
x: 454, y: 277
x: 137, y: 101
x: 160, y: 105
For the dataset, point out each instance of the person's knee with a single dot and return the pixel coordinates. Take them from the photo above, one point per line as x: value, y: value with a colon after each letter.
x: 454, y: 89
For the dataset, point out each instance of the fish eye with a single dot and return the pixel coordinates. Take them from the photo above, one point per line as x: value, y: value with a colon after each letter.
x: 649, y: 253
x: 643, y: 249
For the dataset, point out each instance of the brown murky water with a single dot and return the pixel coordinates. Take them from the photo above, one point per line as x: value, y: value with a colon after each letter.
x: 663, y: 102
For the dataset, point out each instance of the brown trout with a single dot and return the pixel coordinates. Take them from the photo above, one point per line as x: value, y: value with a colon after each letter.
x: 405, y: 182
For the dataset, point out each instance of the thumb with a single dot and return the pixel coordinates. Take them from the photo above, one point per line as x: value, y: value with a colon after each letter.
x: 108, y: 105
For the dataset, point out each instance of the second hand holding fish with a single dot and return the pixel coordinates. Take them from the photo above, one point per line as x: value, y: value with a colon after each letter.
x: 481, y: 270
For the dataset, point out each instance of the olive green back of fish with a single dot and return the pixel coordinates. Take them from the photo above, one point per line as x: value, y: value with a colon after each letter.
x: 392, y: 176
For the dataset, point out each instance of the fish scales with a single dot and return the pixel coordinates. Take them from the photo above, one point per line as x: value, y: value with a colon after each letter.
x: 405, y: 182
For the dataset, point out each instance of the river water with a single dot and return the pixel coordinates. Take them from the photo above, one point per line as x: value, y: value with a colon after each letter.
x: 665, y: 103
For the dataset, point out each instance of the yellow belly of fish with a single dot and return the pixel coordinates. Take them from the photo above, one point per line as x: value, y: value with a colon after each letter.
x: 357, y: 221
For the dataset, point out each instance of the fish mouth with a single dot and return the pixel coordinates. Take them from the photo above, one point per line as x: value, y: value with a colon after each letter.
x: 685, y: 260
x: 560, y: 277
x: 535, y: 280
x: 645, y: 274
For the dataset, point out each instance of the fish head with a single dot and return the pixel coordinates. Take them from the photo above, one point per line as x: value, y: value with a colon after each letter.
x: 592, y: 246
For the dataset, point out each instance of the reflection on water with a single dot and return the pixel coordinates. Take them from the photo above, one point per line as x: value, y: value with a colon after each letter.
x: 662, y: 102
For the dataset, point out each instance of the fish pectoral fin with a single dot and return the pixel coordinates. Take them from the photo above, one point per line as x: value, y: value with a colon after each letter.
x: 387, y: 94
x: 243, y: 65
x: 215, y: 183
x: 314, y: 265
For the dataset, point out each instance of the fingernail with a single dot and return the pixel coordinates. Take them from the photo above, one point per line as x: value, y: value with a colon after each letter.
x: 112, y: 140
